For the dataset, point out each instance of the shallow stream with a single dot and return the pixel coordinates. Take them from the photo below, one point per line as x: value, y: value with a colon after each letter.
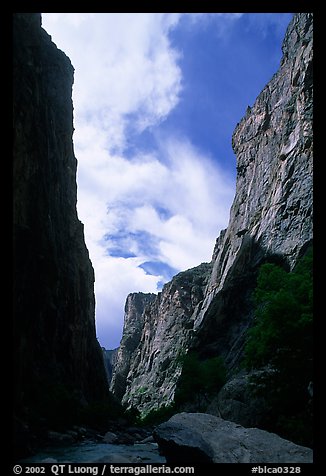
x: 91, y: 452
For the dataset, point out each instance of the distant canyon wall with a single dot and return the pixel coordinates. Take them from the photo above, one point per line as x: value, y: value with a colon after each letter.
x: 208, y: 309
x: 157, y: 330
x: 109, y: 357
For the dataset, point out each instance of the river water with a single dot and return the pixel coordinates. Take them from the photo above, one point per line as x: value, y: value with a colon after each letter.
x: 91, y: 452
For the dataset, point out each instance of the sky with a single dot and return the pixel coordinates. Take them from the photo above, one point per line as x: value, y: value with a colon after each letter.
x: 156, y: 99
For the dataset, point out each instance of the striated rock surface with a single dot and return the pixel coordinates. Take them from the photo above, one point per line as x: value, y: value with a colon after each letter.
x: 157, y: 330
x: 270, y: 219
x: 56, y: 351
x: 109, y: 357
x: 132, y: 331
x: 202, y: 438
x: 271, y: 216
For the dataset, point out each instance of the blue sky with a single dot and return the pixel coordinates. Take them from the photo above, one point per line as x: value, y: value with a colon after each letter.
x: 156, y: 99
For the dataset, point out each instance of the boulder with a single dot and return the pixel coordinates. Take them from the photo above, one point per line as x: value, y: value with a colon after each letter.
x: 110, y: 437
x: 238, y: 402
x: 57, y: 438
x: 204, y: 438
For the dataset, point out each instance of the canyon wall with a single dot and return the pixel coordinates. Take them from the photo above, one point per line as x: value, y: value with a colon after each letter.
x: 57, y: 356
x: 208, y: 309
x: 272, y: 212
x: 157, y: 331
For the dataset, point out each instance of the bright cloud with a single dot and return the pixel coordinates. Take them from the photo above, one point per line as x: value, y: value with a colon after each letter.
x: 165, y: 206
x: 126, y: 72
x: 181, y: 204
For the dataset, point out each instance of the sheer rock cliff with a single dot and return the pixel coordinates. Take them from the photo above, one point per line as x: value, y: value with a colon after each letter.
x: 271, y: 216
x: 132, y: 331
x: 270, y: 219
x: 56, y: 350
x: 157, y: 331
x: 109, y: 357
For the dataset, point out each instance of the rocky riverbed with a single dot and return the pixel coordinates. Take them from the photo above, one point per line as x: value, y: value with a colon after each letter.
x: 134, y: 445
x: 93, y: 452
x: 184, y: 438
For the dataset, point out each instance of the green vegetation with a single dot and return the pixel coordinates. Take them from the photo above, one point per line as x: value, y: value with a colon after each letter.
x: 281, y: 338
x: 283, y: 316
x: 199, y: 379
x: 141, y: 390
x: 158, y: 415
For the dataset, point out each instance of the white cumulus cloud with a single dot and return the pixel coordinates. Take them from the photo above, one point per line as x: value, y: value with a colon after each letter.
x: 165, y: 206
x: 126, y: 71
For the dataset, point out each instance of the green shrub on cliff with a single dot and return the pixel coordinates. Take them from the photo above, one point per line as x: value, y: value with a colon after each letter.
x: 199, y: 378
x: 283, y: 316
x: 281, y: 338
x: 157, y: 415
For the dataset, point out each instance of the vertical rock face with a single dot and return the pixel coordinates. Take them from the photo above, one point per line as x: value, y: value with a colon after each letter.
x: 109, y: 357
x: 270, y: 219
x: 132, y: 330
x: 54, y: 330
x: 157, y: 330
x: 271, y: 215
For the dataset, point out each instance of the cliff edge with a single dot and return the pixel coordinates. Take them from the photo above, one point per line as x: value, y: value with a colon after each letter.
x: 270, y: 220
x: 57, y: 357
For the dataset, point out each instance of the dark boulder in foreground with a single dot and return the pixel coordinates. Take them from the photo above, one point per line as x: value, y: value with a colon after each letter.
x: 203, y: 438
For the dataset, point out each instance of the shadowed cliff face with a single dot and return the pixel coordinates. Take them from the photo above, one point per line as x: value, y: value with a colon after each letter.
x: 55, y: 344
x: 270, y: 219
x: 109, y: 357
